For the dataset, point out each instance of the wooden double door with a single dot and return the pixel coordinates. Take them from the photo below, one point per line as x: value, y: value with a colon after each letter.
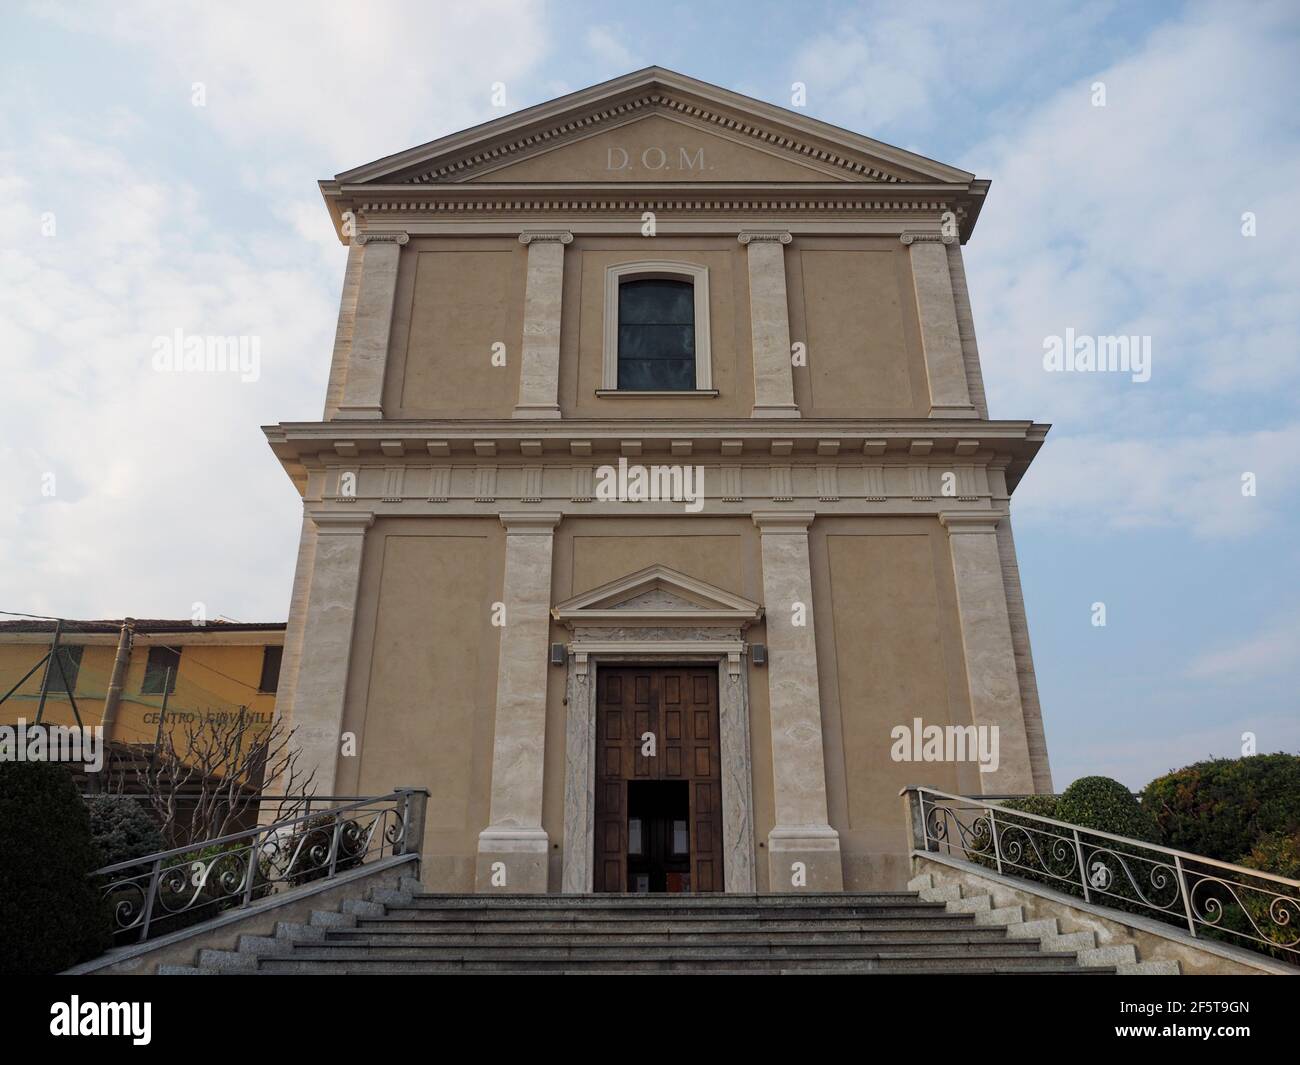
x: 658, y: 780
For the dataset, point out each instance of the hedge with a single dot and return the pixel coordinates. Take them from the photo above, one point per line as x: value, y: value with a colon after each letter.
x: 51, y: 916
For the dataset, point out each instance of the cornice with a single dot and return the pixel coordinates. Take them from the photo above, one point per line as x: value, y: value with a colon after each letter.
x: 494, y: 153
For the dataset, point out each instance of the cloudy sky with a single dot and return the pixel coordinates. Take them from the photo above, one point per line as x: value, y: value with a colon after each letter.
x: 127, y: 211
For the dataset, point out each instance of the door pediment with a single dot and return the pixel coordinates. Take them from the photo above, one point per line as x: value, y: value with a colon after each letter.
x: 657, y: 596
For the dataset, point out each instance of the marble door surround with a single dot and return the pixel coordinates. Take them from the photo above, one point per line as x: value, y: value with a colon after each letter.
x: 657, y: 617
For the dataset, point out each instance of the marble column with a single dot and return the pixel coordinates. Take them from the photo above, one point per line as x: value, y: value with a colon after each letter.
x: 322, y: 675
x: 936, y: 311
x: 769, y: 318
x: 363, y: 388
x: 512, y: 850
x: 539, y: 372
x: 803, y: 850
x: 987, y: 644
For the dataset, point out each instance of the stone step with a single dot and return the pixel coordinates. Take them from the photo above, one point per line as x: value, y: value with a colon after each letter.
x: 1148, y: 968
x: 184, y: 970
x: 1116, y: 955
x: 488, y: 912
x: 331, y: 919
x: 596, y: 951
x: 1075, y: 941
x: 541, y: 938
x: 942, y: 893
x: 1039, y: 929
x: 305, y: 961
x: 937, y: 921
x: 296, y: 932
x: 609, y: 899
x: 970, y: 904
x: 362, y: 908
x: 537, y: 935
x: 227, y: 961
x: 1000, y: 916
x: 415, y: 943
x: 262, y: 945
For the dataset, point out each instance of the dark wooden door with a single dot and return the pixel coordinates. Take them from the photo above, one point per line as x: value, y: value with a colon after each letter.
x: 678, y: 707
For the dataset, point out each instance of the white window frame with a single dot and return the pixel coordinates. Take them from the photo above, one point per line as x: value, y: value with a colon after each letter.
x: 644, y: 269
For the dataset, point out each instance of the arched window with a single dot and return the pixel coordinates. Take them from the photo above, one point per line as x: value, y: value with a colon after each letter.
x: 657, y: 330
x: 656, y: 335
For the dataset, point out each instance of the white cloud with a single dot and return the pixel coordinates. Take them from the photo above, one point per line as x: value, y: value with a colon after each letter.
x: 1126, y: 219
x: 359, y: 81
x: 1194, y: 483
x: 165, y: 491
x: 1273, y: 649
x: 609, y: 48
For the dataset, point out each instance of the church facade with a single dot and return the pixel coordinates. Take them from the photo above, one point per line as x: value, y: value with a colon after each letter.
x: 655, y: 521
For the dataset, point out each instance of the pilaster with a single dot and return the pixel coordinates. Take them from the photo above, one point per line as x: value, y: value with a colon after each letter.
x: 322, y: 673
x: 769, y: 316
x: 803, y: 850
x: 987, y: 644
x: 936, y: 311
x: 372, y: 326
x: 539, y: 374
x: 512, y: 850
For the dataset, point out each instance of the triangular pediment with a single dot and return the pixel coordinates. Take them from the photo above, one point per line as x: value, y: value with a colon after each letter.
x: 657, y: 595
x: 651, y: 126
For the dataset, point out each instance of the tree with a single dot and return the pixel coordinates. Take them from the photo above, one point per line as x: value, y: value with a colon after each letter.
x: 204, y: 776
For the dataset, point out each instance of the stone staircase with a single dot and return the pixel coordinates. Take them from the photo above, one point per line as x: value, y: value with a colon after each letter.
x: 410, y: 931
x: 1121, y: 959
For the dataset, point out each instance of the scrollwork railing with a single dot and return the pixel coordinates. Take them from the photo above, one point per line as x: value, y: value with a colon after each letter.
x: 174, y: 889
x: 1210, y: 898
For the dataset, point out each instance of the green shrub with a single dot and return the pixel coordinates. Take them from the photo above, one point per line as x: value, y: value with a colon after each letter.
x: 1038, y: 805
x: 1106, y: 805
x: 1031, y: 849
x: 122, y: 828
x: 308, y: 848
x: 51, y: 916
x: 1277, y: 853
x: 1221, y: 808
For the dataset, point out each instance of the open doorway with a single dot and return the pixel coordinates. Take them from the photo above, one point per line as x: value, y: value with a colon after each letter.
x: 658, y: 836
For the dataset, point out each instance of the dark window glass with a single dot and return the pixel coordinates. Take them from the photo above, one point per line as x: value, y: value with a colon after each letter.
x: 270, y: 669
x: 161, y: 659
x: 656, y: 335
x: 63, y: 681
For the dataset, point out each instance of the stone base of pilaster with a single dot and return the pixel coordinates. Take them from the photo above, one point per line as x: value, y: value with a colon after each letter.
x: 535, y: 410
x: 804, y: 858
x: 939, y: 410
x: 367, y: 411
x: 783, y: 410
x: 512, y: 861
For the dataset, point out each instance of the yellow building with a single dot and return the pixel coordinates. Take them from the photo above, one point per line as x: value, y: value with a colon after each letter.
x: 198, y: 672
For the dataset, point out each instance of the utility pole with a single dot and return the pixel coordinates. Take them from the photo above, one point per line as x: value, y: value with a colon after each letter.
x: 117, y: 679
x: 113, y: 697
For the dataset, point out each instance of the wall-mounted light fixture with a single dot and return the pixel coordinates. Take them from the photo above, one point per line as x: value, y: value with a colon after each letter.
x: 758, y: 652
x: 558, y: 655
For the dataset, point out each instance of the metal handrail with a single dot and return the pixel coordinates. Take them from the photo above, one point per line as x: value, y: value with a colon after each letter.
x: 355, y: 802
x: 257, y: 862
x: 1177, y: 886
x: 1199, y: 858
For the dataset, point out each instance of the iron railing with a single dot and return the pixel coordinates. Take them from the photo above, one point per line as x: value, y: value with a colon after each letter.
x: 186, y: 885
x: 1208, y: 897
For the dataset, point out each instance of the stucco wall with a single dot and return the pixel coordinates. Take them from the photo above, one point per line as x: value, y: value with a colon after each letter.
x: 421, y: 704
